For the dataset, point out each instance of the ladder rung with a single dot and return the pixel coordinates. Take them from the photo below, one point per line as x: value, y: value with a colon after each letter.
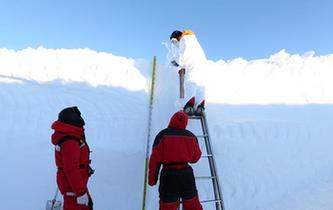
x: 206, y: 156
x: 205, y: 177
x: 202, y: 136
x: 206, y: 201
x: 195, y: 117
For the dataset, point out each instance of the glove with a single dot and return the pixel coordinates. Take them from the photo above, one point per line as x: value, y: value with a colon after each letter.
x: 91, y: 171
x: 181, y: 71
x: 174, y: 63
x: 83, y: 199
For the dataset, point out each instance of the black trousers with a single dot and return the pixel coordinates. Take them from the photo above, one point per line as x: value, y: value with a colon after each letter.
x: 176, y: 184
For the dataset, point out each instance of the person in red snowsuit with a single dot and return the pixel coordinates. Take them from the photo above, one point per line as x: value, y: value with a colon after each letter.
x: 174, y: 148
x: 72, y: 159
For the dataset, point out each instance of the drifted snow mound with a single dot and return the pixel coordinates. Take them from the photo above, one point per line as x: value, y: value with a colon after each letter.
x: 280, y: 79
x: 73, y: 65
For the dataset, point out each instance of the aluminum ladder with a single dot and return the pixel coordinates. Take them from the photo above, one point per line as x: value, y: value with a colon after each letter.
x: 218, y: 199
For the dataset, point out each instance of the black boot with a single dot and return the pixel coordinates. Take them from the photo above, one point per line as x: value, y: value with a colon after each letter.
x: 189, y: 107
x: 189, y: 110
x: 200, y: 110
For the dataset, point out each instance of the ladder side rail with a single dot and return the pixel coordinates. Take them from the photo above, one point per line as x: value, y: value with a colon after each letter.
x: 211, y: 166
x: 216, y: 184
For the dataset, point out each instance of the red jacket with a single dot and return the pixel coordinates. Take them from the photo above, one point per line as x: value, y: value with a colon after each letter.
x: 173, y: 145
x: 71, y: 157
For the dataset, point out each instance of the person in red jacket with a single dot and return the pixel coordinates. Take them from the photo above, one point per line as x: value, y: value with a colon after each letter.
x: 72, y: 159
x: 174, y: 148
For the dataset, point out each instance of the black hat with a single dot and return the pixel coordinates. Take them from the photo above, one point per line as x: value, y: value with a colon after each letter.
x: 176, y: 35
x: 72, y: 116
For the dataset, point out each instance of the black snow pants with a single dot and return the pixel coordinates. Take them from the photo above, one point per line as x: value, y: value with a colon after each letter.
x: 176, y: 184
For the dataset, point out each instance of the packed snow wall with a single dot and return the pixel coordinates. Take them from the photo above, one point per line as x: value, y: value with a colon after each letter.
x: 269, y: 121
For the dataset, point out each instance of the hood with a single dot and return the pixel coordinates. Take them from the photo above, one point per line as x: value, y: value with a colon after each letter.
x: 188, y: 32
x: 178, y: 120
x: 62, y: 129
x: 72, y: 116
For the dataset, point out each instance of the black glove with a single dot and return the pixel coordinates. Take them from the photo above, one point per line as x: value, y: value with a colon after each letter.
x: 174, y: 63
x: 181, y: 71
x: 91, y: 171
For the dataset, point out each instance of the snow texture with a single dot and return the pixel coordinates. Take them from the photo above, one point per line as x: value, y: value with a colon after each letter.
x: 269, y: 119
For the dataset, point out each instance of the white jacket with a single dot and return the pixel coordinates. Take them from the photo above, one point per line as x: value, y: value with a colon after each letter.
x: 190, y: 55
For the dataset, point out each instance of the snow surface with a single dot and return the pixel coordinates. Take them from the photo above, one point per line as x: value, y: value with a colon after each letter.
x: 270, y: 123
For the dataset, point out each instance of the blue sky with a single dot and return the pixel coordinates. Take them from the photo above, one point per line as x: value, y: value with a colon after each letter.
x: 226, y: 28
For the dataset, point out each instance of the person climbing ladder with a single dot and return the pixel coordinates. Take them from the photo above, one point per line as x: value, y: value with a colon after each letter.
x: 190, y: 60
x: 174, y: 148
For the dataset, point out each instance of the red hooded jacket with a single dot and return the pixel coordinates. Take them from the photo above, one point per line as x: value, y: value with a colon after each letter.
x: 173, y: 145
x: 71, y: 157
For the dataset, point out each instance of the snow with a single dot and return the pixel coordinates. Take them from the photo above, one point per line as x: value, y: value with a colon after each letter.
x: 269, y: 119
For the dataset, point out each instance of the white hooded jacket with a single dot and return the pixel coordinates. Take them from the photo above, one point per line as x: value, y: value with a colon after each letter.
x: 190, y: 55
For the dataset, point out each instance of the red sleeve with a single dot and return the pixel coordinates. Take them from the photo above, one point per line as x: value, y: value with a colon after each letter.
x: 197, y: 152
x: 155, y: 164
x: 70, y: 151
